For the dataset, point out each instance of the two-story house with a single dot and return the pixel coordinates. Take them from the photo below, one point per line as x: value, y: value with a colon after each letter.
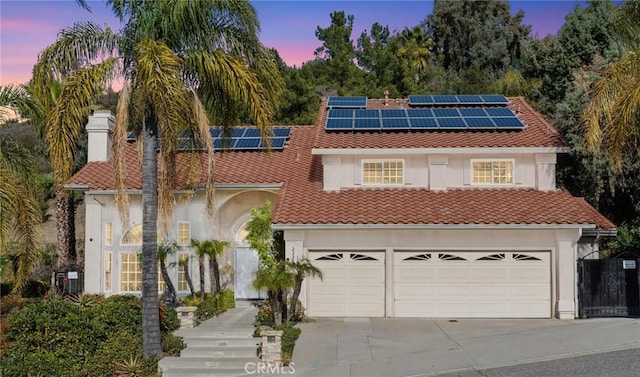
x: 431, y: 206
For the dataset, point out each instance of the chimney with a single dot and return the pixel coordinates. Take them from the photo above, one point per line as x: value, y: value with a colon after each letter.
x: 386, y: 97
x: 99, y: 130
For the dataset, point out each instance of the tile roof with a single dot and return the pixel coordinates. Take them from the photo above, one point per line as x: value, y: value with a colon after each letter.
x: 303, y: 201
x: 537, y: 133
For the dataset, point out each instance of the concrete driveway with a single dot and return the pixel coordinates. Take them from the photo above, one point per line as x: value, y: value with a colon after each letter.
x: 418, y: 346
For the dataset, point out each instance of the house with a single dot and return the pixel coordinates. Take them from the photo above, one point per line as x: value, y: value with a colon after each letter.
x: 431, y: 206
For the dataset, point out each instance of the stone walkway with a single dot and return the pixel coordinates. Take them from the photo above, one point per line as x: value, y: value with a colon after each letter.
x: 222, y: 346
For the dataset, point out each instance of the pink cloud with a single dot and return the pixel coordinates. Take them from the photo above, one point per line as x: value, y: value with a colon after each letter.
x: 20, y: 26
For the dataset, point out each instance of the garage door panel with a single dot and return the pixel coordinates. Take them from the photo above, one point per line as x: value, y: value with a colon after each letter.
x: 365, y: 272
x: 497, y: 284
x: 330, y: 273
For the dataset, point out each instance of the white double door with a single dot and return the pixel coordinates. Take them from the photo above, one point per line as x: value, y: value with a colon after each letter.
x: 247, y: 264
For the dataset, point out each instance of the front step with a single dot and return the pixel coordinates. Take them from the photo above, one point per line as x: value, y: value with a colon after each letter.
x: 206, y: 372
x: 219, y: 352
x: 239, y: 363
x: 221, y: 342
x: 199, y: 332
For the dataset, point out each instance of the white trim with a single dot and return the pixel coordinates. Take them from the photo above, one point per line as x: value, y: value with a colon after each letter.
x: 279, y: 226
x: 461, y: 150
x: 381, y: 161
x: 492, y: 161
x: 218, y: 186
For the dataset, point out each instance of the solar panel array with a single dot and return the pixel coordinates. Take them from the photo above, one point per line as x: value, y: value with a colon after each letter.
x: 347, y: 102
x: 451, y: 100
x: 242, y: 139
x: 491, y: 118
x: 248, y: 138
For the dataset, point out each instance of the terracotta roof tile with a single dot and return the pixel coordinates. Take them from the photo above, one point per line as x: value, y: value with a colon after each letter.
x: 537, y: 133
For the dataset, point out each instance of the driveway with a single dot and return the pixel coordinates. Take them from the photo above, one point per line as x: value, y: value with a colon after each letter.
x: 420, y: 346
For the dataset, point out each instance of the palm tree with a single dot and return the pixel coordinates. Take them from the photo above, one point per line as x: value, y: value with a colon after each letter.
x: 415, y: 48
x: 276, y: 280
x: 184, y: 264
x: 301, y: 269
x: 613, y: 116
x: 185, y: 64
x: 213, y: 249
x: 164, y: 251
x: 20, y: 191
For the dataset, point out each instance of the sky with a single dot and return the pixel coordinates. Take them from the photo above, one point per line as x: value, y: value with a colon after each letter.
x: 27, y: 27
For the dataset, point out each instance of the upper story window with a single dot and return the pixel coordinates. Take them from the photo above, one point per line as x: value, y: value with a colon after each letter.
x: 492, y: 172
x: 134, y: 236
x: 387, y: 172
x: 108, y: 234
x: 184, y: 233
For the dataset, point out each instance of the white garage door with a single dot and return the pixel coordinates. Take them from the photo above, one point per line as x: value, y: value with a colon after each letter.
x: 472, y: 284
x: 353, y: 284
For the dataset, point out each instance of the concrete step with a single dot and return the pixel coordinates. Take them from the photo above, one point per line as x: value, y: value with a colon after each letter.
x: 221, y: 342
x: 206, y: 363
x: 202, y: 332
x: 219, y: 352
x: 205, y: 372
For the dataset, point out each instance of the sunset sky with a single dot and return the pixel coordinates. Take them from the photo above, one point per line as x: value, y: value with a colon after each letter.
x: 27, y: 27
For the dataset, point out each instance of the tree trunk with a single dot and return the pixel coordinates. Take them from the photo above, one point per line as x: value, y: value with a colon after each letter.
x: 212, y: 283
x: 275, y: 308
x: 66, y: 228
x: 201, y: 263
x: 150, y: 306
x: 294, y: 297
x: 168, y: 282
x: 216, y: 274
x: 283, y: 303
x: 187, y: 275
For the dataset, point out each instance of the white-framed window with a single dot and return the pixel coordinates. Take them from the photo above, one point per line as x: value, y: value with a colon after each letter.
x: 107, y: 272
x: 131, y: 273
x: 382, y: 172
x: 184, y: 233
x: 492, y: 172
x: 108, y: 234
x: 133, y: 236
x: 182, y: 272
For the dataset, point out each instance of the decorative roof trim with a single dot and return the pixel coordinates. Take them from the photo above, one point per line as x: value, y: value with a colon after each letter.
x: 474, y: 150
x: 430, y: 226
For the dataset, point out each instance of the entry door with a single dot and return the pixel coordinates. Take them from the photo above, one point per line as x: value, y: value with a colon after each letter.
x: 247, y: 264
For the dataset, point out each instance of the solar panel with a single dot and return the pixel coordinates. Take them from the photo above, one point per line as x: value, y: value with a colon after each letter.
x: 445, y: 113
x: 420, y: 100
x: 395, y: 123
x: 505, y: 122
x: 480, y: 122
x: 131, y: 136
x: 340, y: 113
x: 423, y: 123
x: 339, y: 124
x: 393, y: 113
x: 347, y: 102
x: 494, y: 99
x: 419, y: 113
x: 214, y: 132
x: 470, y: 99
x: 476, y: 112
x: 367, y: 123
x: 282, y: 132
x: 366, y: 114
x: 278, y: 142
x: 248, y: 143
x: 445, y: 100
x: 499, y: 112
x: 451, y: 123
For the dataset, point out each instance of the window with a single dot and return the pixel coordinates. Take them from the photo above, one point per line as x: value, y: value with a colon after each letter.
x: 184, y: 233
x: 134, y: 236
x: 498, y: 172
x: 383, y: 172
x: 183, y: 259
x: 107, y: 272
x: 108, y: 234
x: 131, y: 273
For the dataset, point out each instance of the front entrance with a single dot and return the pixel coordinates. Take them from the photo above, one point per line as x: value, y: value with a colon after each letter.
x: 247, y: 264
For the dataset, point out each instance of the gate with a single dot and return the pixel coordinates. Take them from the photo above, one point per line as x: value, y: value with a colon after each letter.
x: 609, y: 288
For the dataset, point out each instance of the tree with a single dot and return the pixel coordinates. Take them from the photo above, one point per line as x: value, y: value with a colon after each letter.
x: 276, y: 280
x: 613, y: 116
x: 164, y: 251
x: 415, y: 49
x: 301, y: 270
x: 480, y: 33
x: 184, y: 264
x: 185, y: 64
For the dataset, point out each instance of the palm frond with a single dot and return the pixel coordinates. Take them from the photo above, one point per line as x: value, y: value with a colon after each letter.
x: 16, y: 98
x: 119, y: 140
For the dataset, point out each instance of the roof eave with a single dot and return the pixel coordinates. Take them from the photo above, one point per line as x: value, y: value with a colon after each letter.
x: 285, y: 226
x: 448, y: 150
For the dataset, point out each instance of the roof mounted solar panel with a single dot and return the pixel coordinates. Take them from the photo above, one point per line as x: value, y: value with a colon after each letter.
x: 282, y: 132
x: 367, y: 124
x: 423, y: 123
x: 366, y: 114
x: 214, y: 132
x: 473, y: 112
x: 451, y: 123
x: 395, y: 123
x: 251, y: 132
x: 470, y: 99
x: 494, y: 99
x: 393, y: 113
x: 420, y: 99
x: 277, y: 143
x: 248, y: 143
x: 445, y: 113
x: 419, y: 113
x: 499, y: 112
x: 339, y: 124
x: 445, y: 100
x: 347, y: 102
x: 479, y: 123
x: 340, y: 113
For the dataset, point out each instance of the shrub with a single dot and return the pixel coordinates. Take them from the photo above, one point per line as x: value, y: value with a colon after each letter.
x: 169, y: 320
x: 227, y: 299
x: 172, y: 344
x: 121, y: 345
x: 290, y: 334
x: 265, y: 314
x: 207, y: 308
x: 10, y: 302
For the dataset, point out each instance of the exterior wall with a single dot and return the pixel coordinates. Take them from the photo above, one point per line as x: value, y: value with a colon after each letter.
x: 232, y: 211
x: 441, y: 171
x: 561, y: 243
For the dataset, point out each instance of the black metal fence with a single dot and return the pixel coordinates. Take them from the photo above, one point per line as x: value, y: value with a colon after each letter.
x: 609, y: 288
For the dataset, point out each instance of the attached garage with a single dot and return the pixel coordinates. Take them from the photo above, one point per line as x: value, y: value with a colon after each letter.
x: 472, y: 284
x: 353, y: 284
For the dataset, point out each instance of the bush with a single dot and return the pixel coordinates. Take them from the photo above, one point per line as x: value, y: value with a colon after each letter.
x: 121, y: 345
x: 290, y: 334
x: 208, y: 308
x: 10, y: 302
x: 169, y: 320
x: 265, y: 314
x: 172, y: 344
x: 228, y: 299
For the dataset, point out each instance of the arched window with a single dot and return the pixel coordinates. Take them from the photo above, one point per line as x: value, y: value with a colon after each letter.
x: 131, y: 261
x: 134, y: 236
